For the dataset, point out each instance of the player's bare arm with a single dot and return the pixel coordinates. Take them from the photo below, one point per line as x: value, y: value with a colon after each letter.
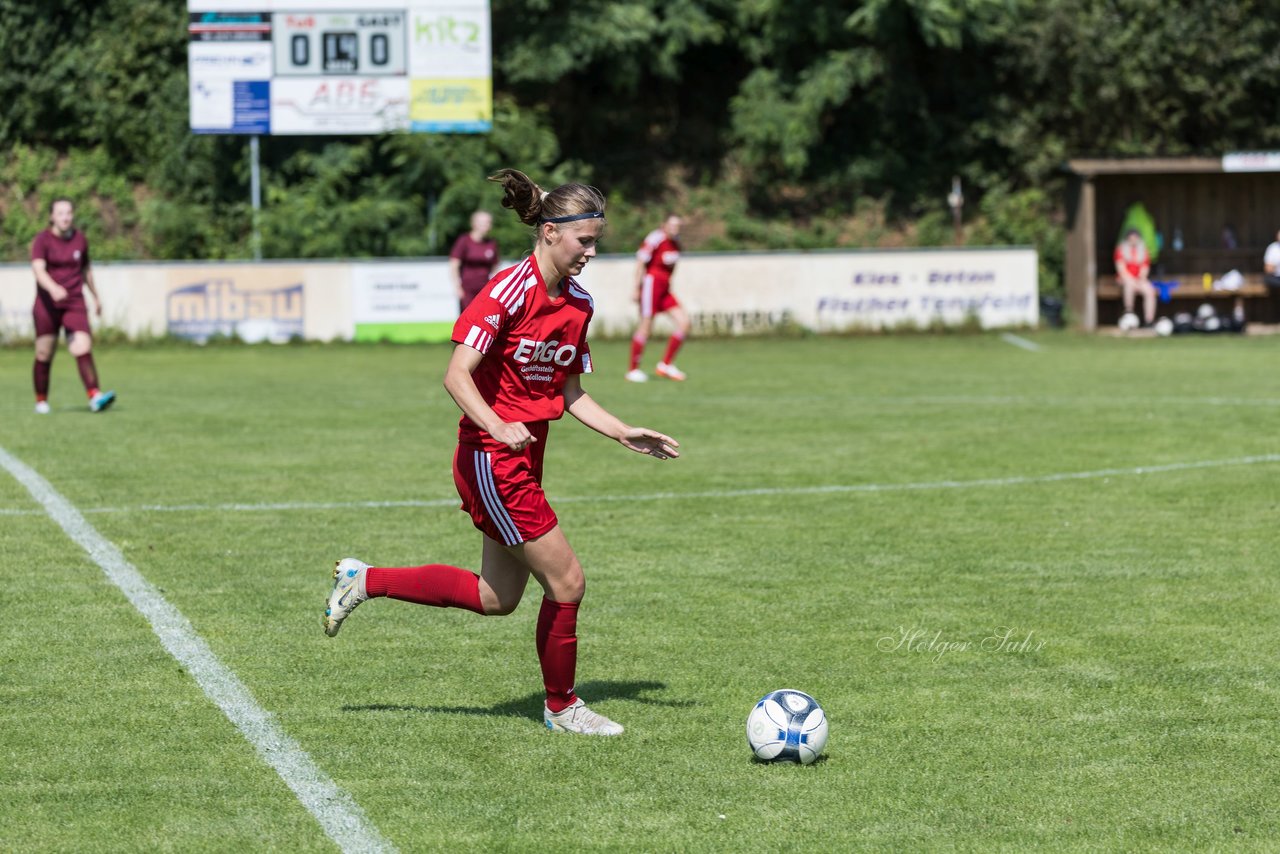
x: 642, y: 440
x: 89, y: 285
x: 55, y: 290
x: 462, y: 388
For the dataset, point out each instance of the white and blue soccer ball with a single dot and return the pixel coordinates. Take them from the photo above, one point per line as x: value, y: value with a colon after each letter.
x: 787, y: 726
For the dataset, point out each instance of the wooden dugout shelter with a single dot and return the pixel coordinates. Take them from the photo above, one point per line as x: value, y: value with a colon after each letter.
x: 1199, y: 197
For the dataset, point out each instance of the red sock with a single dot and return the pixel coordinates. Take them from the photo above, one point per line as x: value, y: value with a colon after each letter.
x: 88, y: 373
x: 558, y: 651
x: 637, y: 350
x: 434, y: 584
x: 673, y: 347
x: 40, y: 375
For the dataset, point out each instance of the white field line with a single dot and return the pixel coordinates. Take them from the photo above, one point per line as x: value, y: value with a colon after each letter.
x: 1261, y: 459
x: 1019, y: 341
x: 339, y: 815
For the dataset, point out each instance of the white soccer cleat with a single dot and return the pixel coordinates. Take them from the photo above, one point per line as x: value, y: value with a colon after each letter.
x: 578, y: 718
x: 671, y: 372
x: 101, y: 400
x: 42, y: 407
x: 349, y: 591
x: 635, y: 375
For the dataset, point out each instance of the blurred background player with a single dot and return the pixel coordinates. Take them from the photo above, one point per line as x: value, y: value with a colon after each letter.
x: 473, y: 259
x: 1133, y: 268
x: 655, y: 262
x: 60, y: 260
x: 521, y: 348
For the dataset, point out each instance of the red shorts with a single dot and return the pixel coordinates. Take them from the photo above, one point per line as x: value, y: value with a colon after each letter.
x: 656, y: 296
x: 49, y: 320
x: 502, y: 489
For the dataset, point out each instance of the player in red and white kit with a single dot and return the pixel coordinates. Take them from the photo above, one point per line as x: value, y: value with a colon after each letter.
x: 60, y: 261
x: 655, y: 262
x: 521, y: 351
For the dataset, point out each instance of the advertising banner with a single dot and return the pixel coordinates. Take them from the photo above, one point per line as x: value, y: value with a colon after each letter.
x: 403, y: 302
x: 413, y: 300
x: 254, y: 305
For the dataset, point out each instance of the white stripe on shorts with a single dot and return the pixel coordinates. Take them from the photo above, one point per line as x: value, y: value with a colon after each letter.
x: 493, y: 502
x: 646, y: 296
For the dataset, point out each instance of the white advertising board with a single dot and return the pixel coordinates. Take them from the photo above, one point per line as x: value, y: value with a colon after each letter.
x: 413, y: 300
x: 402, y: 302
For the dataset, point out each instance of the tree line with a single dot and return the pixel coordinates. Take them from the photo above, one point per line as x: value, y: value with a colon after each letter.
x: 784, y: 125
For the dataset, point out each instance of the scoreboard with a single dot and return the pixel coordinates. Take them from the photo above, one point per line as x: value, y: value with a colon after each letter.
x: 339, y: 66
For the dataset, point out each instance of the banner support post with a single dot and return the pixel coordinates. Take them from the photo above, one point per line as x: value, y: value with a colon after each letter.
x: 255, y: 196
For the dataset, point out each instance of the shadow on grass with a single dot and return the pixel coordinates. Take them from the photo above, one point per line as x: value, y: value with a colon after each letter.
x: 531, y: 704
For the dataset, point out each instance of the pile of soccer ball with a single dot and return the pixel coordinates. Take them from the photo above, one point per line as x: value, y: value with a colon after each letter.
x: 787, y: 726
x: 1206, y: 319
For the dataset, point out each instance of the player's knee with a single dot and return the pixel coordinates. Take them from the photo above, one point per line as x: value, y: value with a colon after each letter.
x: 80, y: 345
x: 500, y: 608
x: 573, y: 586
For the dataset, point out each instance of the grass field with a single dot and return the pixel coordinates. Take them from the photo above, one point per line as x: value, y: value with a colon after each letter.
x: 860, y: 518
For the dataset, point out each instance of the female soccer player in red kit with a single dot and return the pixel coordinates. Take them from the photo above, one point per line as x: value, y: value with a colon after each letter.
x: 655, y: 263
x: 60, y: 260
x: 521, y: 350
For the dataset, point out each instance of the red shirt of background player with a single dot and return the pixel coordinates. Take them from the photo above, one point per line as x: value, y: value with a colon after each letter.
x: 65, y: 260
x: 1134, y: 258
x: 659, y: 254
x: 473, y: 259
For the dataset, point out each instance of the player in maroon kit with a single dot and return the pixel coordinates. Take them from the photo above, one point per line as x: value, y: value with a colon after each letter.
x: 60, y: 259
x: 655, y: 262
x: 521, y: 350
x: 473, y: 259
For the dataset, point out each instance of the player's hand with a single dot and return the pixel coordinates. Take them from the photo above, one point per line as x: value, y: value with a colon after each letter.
x: 58, y: 292
x: 642, y: 440
x: 635, y: 297
x: 514, y: 435
x: 97, y: 309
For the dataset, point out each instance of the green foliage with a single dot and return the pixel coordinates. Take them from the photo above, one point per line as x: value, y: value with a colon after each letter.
x: 104, y: 199
x: 1026, y: 218
x: 836, y: 124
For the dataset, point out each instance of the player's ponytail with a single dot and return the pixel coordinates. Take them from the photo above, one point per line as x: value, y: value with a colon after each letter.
x: 566, y: 203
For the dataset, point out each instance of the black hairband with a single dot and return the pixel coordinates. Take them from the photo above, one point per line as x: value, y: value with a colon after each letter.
x: 573, y: 217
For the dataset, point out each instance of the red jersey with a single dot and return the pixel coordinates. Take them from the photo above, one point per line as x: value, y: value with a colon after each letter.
x: 1134, y: 258
x: 531, y: 344
x: 659, y: 254
x: 66, y: 259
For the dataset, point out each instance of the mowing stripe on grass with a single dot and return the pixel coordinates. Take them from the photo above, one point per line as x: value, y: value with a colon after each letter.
x: 1019, y: 341
x: 339, y: 815
x: 1260, y: 459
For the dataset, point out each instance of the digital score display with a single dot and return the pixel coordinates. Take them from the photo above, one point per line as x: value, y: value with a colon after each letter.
x: 337, y: 67
x: 308, y: 44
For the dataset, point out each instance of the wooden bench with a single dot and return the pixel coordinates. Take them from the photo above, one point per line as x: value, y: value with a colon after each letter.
x: 1253, y: 296
x: 1188, y: 288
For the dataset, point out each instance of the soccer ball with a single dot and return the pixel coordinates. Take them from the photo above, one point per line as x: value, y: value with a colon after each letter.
x: 1164, y: 327
x: 787, y: 726
x: 1128, y: 321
